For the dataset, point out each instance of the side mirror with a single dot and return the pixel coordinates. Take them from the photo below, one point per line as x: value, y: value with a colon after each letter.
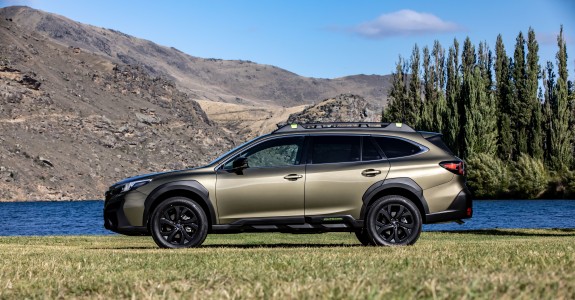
x: 239, y: 165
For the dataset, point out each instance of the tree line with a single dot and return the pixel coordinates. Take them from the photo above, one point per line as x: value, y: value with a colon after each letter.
x: 510, y: 118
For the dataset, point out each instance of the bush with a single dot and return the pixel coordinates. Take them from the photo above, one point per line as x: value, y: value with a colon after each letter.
x: 530, y: 178
x: 487, y: 176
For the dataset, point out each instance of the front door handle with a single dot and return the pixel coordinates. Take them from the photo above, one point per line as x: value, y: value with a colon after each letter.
x: 370, y: 172
x: 293, y: 177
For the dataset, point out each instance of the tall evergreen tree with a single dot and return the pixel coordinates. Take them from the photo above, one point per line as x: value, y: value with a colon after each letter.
x: 413, y: 112
x: 481, y: 125
x: 397, y: 95
x: 427, y: 121
x: 485, y: 62
x: 440, y: 108
x: 533, y: 70
x: 561, y: 136
x: 452, y: 91
x: 548, y: 108
x: 468, y: 61
x: 503, y: 93
x: 520, y: 106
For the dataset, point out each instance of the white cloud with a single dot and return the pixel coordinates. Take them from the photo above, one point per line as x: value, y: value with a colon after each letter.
x: 404, y: 23
x: 547, y: 38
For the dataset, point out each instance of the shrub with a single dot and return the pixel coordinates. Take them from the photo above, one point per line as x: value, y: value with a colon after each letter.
x: 529, y: 176
x: 487, y: 176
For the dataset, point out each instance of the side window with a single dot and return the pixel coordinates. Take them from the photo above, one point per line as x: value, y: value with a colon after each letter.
x: 334, y: 149
x: 369, y: 151
x: 393, y: 147
x: 273, y: 153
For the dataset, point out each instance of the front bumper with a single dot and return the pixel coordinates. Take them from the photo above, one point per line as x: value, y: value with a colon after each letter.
x: 115, y: 219
x: 460, y: 208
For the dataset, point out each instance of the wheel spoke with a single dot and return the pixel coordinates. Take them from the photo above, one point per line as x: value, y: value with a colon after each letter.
x: 385, y: 214
x: 193, y: 226
x: 187, y: 236
x: 172, y: 235
x: 165, y: 221
x: 395, y: 235
x: 400, y: 212
x: 178, y: 213
x: 405, y: 225
x: 382, y: 227
x: 167, y: 215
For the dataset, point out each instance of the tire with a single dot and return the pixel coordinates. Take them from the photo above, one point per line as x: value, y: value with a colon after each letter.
x: 364, y: 238
x: 179, y: 222
x: 393, y: 221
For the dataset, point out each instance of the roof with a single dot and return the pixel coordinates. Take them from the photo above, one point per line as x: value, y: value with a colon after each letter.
x: 359, y: 126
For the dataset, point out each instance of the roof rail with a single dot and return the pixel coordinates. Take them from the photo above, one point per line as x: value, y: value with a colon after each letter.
x: 343, y: 126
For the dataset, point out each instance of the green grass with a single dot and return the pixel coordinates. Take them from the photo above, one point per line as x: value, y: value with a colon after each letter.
x: 501, y: 264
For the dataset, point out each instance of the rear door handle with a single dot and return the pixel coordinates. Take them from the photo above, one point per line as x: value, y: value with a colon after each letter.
x: 370, y: 172
x: 293, y: 177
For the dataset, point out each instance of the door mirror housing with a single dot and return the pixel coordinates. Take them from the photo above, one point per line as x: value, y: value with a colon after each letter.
x: 239, y: 164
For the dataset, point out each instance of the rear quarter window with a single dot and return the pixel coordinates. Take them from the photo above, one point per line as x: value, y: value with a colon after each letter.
x: 394, y: 147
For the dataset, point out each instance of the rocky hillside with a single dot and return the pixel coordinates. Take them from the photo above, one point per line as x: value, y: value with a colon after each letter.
x: 233, y: 81
x: 72, y: 122
x: 343, y: 108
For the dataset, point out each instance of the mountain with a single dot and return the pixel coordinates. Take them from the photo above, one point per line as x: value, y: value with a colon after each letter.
x: 82, y: 107
x: 233, y: 81
x: 73, y: 122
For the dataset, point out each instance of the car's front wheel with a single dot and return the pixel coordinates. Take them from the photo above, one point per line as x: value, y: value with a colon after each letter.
x: 179, y: 222
x: 393, y: 221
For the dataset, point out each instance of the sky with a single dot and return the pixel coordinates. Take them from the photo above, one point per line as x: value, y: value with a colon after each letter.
x: 320, y: 38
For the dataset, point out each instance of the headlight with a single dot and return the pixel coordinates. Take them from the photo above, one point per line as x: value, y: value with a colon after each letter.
x: 134, y: 185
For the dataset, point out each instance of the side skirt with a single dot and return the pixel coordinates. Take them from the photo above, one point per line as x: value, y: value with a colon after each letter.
x: 313, y: 224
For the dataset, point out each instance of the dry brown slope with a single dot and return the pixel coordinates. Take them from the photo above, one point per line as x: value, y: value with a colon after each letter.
x: 232, y: 81
x: 73, y: 122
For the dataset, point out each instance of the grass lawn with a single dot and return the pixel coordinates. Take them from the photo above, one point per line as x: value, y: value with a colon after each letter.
x: 497, y: 264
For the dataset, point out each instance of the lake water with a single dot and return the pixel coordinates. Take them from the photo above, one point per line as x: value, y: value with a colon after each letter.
x: 85, y: 217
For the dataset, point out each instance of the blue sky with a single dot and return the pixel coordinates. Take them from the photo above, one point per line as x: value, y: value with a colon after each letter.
x: 320, y: 38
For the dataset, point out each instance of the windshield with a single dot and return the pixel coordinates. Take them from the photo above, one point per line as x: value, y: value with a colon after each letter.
x: 233, y: 150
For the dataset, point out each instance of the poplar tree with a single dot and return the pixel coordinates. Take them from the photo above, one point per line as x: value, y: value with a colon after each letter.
x: 481, y: 124
x: 413, y: 109
x: 534, y: 128
x: 397, y: 96
x: 427, y: 113
x: 452, y: 91
x: 440, y: 109
x: 561, y: 150
x: 468, y: 61
x: 520, y: 107
x: 548, y: 108
x: 503, y: 94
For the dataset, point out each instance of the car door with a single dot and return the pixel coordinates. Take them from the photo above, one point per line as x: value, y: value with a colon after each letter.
x: 339, y: 170
x: 270, y: 186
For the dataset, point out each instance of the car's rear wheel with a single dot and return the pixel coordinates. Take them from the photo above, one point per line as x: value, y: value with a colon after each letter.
x: 179, y: 222
x: 393, y: 221
x: 364, y: 238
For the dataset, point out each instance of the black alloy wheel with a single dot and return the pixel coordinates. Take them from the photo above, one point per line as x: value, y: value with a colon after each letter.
x: 394, y: 220
x: 179, y: 223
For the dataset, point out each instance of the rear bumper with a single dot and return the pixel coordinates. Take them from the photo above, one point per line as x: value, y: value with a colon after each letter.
x: 460, y: 208
x: 115, y: 219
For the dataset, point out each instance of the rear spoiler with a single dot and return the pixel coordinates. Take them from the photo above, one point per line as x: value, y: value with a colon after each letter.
x: 427, y: 134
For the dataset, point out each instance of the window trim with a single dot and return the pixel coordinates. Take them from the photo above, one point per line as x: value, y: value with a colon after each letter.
x: 232, y: 156
x: 362, y: 137
x: 421, y: 147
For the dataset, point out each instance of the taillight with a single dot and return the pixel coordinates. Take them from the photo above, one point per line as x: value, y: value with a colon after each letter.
x: 455, y: 167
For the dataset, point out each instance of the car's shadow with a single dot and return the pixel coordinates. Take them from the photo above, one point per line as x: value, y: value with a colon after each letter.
x: 494, y: 232
x: 240, y: 246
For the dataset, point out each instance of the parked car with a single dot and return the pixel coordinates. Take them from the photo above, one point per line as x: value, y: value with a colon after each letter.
x: 379, y: 180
